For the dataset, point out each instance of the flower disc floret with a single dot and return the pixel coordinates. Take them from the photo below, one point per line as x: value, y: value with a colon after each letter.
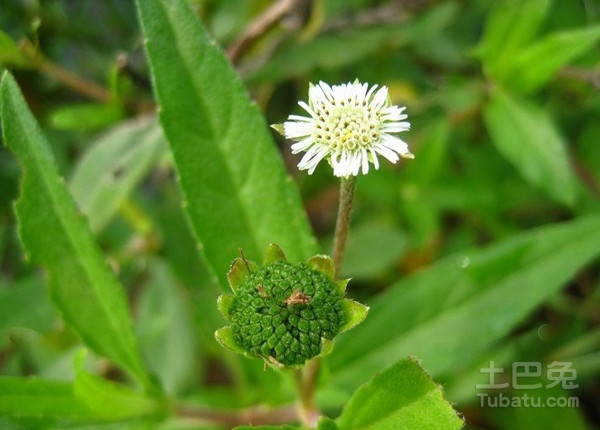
x: 282, y: 311
x: 349, y: 125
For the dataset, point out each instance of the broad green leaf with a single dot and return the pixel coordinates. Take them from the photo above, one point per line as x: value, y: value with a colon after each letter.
x: 41, y: 400
x: 526, y: 136
x: 81, y: 284
x: 536, y: 64
x: 112, y: 168
x: 449, y: 313
x: 510, y: 25
x: 236, y: 191
x: 403, y: 396
x: 10, y: 54
x: 109, y: 400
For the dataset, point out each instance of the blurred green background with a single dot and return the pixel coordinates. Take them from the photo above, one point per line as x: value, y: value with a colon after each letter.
x: 503, y: 99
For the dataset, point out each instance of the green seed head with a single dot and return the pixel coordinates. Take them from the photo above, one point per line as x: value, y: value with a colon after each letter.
x: 283, y: 310
x: 285, y: 313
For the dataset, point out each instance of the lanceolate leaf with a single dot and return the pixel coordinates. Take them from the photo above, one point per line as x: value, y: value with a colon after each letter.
x: 537, y: 63
x: 57, y: 237
x: 236, y: 191
x: 509, y: 26
x: 526, y: 136
x: 448, y: 314
x: 401, y: 397
x: 112, y: 168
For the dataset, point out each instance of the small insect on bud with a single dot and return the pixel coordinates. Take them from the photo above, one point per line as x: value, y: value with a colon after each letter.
x: 262, y: 292
x: 297, y: 298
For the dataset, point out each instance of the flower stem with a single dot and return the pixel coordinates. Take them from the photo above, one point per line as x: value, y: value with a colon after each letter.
x: 305, y: 382
x: 347, y: 191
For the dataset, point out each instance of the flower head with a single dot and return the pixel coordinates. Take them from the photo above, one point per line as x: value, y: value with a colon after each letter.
x: 350, y: 125
x: 285, y: 313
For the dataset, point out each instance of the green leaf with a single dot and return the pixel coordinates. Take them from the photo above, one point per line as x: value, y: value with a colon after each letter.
x: 26, y: 304
x: 57, y: 237
x: 107, y: 174
x: 326, y: 423
x: 165, y: 330
x: 401, y: 397
x: 225, y: 337
x: 41, y: 399
x: 356, y: 313
x: 530, y: 418
x: 536, y: 64
x: 10, y: 54
x: 111, y: 401
x: 235, y: 188
x: 449, y: 313
x: 86, y: 116
x: 372, y: 248
x: 526, y: 136
x: 510, y: 25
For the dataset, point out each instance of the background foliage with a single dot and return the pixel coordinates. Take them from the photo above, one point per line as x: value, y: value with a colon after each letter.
x: 485, y: 247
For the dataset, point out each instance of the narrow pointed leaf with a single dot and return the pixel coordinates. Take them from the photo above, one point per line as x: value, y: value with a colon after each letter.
x: 236, y: 190
x: 112, y: 168
x: 509, y: 26
x: 527, y: 137
x: 83, y: 287
x: 536, y: 64
x: 455, y: 310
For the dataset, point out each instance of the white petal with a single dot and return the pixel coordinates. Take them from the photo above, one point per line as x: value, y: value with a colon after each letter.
x: 303, y: 145
x: 395, y: 127
x: 373, y: 158
x: 395, y: 144
x: 294, y: 130
x: 371, y: 91
x: 300, y: 118
x: 387, y: 153
x: 380, y: 98
x: 365, y: 162
x: 308, y: 109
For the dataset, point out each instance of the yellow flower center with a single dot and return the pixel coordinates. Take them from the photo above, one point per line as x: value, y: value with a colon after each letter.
x: 347, y: 125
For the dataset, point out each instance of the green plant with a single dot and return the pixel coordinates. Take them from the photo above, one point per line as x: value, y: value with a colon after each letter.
x: 160, y: 222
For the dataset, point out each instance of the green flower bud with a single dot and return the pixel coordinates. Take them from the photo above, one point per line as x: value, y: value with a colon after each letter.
x: 285, y: 313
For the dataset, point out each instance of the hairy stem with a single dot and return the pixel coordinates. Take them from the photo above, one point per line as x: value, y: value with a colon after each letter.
x: 305, y: 382
x: 347, y: 190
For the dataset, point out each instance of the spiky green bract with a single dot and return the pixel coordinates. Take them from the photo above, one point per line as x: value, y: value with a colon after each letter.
x: 285, y: 313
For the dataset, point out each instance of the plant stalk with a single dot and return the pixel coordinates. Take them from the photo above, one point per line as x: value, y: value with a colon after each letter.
x: 307, y: 412
x: 347, y: 191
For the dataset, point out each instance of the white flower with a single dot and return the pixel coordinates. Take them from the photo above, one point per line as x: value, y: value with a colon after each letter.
x: 349, y: 125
